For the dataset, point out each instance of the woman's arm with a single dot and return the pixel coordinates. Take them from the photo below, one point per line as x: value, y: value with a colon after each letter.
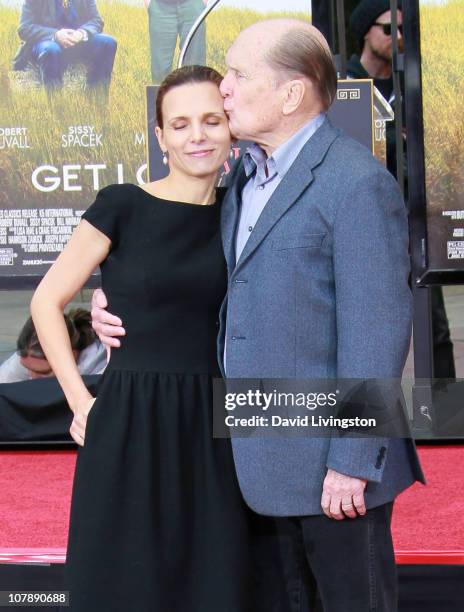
x: 86, y: 249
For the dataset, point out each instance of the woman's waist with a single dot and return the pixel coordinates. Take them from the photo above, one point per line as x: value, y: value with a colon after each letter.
x: 159, y: 354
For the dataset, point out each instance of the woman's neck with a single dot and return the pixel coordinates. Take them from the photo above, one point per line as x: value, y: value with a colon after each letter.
x: 193, y: 190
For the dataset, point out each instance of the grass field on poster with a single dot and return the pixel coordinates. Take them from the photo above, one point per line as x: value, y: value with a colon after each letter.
x: 442, y: 44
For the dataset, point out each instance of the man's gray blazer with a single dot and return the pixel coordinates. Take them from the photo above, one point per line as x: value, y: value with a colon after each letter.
x: 320, y: 291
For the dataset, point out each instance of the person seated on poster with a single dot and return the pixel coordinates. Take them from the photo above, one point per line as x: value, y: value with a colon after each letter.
x: 370, y: 22
x: 29, y: 361
x: 56, y: 33
x: 168, y: 22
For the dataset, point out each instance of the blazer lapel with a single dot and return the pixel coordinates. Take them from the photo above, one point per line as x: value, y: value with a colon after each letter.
x: 230, y: 215
x: 297, y: 179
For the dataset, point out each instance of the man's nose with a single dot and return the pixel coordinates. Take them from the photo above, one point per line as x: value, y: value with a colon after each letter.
x: 224, y: 87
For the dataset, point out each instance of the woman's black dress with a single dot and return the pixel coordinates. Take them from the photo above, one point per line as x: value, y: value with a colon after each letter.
x: 157, y: 518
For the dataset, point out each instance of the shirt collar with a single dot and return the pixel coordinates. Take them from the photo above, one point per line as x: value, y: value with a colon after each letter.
x: 284, y: 156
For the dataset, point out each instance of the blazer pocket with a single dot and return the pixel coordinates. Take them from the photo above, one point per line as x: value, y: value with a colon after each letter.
x: 301, y: 241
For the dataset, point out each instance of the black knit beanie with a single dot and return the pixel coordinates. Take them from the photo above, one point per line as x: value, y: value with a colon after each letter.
x: 365, y: 14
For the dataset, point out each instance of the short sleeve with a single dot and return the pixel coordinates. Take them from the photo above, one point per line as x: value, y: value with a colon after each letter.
x: 109, y: 212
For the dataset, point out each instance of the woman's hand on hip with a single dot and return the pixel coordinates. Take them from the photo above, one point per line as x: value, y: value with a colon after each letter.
x: 79, y: 423
x: 107, y: 326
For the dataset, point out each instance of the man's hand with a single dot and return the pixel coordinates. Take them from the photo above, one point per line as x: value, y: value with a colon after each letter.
x: 343, y: 496
x: 77, y: 36
x: 65, y: 38
x: 79, y: 424
x: 106, y: 325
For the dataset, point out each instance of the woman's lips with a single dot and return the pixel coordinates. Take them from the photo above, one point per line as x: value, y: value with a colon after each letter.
x: 201, y: 153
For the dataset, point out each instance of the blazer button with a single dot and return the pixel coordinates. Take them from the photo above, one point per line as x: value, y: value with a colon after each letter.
x: 380, y: 457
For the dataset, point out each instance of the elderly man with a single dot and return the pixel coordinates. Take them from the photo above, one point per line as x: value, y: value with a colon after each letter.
x: 315, y: 237
x: 56, y: 33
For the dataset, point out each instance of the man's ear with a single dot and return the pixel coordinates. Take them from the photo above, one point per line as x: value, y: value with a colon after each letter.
x: 295, y: 93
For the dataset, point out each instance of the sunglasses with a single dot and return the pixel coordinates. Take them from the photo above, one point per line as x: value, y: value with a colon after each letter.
x: 387, y: 28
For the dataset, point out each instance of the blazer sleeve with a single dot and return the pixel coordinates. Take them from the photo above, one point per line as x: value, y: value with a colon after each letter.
x: 29, y: 30
x: 374, y: 303
x: 94, y: 22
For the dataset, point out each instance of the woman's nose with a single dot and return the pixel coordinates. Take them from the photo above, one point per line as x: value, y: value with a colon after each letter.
x: 198, y: 133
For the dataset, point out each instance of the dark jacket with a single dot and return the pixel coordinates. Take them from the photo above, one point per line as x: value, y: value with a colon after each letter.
x: 38, y: 22
x: 355, y: 70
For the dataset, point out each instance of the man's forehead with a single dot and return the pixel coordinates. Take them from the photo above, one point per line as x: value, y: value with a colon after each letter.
x: 238, y: 55
x: 236, y: 50
x: 386, y: 17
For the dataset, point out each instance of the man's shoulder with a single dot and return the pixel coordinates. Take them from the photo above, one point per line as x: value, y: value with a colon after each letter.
x: 349, y: 167
x: 235, y: 171
x: 354, y: 68
x: 353, y: 157
x: 331, y: 145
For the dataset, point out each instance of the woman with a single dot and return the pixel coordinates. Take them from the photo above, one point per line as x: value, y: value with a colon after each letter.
x: 157, y: 519
x: 29, y: 361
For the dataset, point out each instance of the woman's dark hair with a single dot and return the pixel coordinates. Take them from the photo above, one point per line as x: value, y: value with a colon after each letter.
x: 78, y: 323
x: 184, y: 76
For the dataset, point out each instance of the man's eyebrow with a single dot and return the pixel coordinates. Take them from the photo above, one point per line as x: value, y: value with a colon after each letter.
x: 230, y: 65
x: 242, y: 71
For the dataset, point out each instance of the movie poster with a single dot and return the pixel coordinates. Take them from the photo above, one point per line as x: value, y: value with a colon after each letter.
x: 442, y: 52
x: 73, y: 77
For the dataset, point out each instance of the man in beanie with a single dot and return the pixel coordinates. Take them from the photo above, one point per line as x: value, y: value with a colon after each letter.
x: 370, y: 22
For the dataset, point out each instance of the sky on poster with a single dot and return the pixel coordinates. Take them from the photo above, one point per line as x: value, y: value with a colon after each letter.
x: 269, y: 5
x: 265, y: 5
